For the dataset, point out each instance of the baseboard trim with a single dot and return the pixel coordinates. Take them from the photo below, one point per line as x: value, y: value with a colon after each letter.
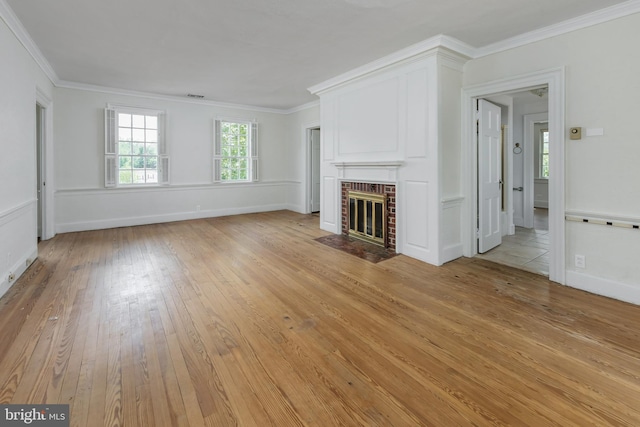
x: 451, y: 252
x: 157, y: 219
x: 605, y: 287
x: 17, y: 270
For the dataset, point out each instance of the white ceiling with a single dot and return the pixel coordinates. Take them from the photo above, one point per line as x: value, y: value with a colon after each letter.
x: 262, y: 53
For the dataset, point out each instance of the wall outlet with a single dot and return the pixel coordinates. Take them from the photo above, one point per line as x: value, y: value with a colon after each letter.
x: 12, y: 277
x: 197, y: 208
x: 580, y: 261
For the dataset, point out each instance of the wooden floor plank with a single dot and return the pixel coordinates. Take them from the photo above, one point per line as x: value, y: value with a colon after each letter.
x: 247, y: 320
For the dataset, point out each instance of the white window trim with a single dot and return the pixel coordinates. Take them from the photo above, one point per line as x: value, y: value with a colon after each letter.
x: 253, y: 150
x: 111, y: 146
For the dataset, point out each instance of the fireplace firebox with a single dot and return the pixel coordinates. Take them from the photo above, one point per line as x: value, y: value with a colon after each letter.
x: 368, y: 216
x: 369, y: 212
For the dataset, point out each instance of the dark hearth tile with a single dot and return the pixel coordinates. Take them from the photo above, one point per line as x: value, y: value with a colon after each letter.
x: 367, y: 251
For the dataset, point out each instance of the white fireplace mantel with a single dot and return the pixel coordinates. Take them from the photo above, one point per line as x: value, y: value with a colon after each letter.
x: 376, y: 171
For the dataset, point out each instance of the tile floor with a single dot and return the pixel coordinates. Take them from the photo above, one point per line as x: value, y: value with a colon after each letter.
x: 528, y: 249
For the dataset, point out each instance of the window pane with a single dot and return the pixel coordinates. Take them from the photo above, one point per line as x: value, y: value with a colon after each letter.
x: 152, y: 162
x: 124, y: 134
x: 124, y: 148
x: 137, y: 121
x: 138, y: 162
x: 124, y: 120
x: 138, y: 148
x: 125, y: 177
x: 152, y: 122
x: 125, y: 162
x: 138, y: 177
x: 138, y: 135
x: 235, y: 151
x: 152, y: 176
x: 151, y: 135
x: 152, y: 149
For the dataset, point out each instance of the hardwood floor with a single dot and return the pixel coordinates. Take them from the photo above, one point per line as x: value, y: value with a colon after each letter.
x: 248, y: 321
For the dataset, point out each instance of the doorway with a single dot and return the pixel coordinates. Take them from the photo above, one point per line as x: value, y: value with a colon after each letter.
x: 554, y: 81
x: 39, y: 174
x: 312, y: 140
x: 525, y: 242
x: 44, y: 165
x: 314, y: 147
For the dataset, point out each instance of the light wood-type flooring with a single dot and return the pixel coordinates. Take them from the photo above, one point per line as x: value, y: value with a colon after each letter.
x: 248, y: 321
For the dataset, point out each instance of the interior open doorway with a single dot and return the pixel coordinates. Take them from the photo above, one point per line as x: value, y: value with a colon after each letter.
x: 314, y: 147
x: 553, y: 80
x: 525, y: 244
x: 44, y: 165
x: 313, y: 152
x: 39, y: 169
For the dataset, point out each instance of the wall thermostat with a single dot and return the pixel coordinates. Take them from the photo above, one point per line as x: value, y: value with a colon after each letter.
x: 575, y: 133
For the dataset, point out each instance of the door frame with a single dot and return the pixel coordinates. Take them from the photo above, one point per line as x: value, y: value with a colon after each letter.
x: 46, y: 165
x: 307, y: 181
x: 555, y: 80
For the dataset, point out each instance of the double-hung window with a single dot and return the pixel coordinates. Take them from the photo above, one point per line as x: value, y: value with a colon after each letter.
x: 235, y: 151
x: 544, y: 153
x: 135, y: 147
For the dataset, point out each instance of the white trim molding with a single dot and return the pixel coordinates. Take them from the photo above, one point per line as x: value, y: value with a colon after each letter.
x: 379, y: 172
x: 16, y: 27
x: 455, y: 48
x: 604, y: 287
x: 594, y: 18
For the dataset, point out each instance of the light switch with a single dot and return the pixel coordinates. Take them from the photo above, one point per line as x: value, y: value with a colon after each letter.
x: 575, y: 133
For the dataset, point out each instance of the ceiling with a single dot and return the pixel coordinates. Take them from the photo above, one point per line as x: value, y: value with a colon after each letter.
x: 263, y: 53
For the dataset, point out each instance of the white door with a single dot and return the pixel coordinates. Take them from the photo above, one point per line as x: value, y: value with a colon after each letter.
x: 315, y: 170
x: 489, y: 176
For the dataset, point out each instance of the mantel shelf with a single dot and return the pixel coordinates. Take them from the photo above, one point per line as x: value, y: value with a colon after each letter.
x: 366, y: 164
x: 369, y: 171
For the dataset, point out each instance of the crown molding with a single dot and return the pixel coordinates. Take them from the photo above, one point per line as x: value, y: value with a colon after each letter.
x: 150, y: 95
x: 594, y: 18
x: 16, y: 27
x: 420, y: 49
x: 302, y: 107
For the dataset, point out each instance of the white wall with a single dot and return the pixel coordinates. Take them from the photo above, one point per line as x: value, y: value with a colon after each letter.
x: 82, y: 202
x: 602, y: 176
x: 19, y: 78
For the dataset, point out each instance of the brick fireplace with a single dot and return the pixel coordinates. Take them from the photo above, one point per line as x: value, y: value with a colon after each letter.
x: 385, y: 189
